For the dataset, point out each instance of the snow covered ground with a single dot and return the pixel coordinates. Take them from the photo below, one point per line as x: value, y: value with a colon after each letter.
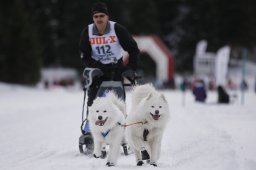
x: 40, y: 130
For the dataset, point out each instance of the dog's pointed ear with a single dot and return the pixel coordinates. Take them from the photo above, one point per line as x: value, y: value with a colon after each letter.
x: 149, y: 96
x: 163, y: 97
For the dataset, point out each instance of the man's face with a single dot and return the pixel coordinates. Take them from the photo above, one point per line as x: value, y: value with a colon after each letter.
x: 100, y: 18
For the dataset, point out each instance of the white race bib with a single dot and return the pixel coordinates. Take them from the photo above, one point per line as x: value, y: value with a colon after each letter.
x: 106, y: 48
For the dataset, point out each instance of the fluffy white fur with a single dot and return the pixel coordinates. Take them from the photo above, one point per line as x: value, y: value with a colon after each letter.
x: 105, y: 115
x: 148, y: 105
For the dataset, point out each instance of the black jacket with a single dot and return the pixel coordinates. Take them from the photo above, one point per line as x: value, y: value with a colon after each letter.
x: 126, y: 42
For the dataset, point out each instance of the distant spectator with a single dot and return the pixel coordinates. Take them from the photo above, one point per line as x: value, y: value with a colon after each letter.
x: 46, y: 84
x: 184, y: 84
x: 244, y: 85
x: 231, y: 85
x: 223, y: 96
x: 211, y: 85
x: 199, y: 91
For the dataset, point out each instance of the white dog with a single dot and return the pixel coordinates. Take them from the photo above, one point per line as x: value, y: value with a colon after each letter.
x: 107, y: 115
x: 146, y: 122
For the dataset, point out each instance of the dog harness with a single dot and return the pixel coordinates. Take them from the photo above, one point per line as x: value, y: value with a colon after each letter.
x: 145, y: 133
x: 125, y: 125
x: 104, y: 134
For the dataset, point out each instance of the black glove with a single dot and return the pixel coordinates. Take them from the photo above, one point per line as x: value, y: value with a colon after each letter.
x: 130, y: 75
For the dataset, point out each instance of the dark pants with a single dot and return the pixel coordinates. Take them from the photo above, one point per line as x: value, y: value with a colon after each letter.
x: 93, y: 90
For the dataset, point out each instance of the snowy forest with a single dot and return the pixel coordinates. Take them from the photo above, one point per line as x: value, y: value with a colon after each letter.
x: 46, y: 33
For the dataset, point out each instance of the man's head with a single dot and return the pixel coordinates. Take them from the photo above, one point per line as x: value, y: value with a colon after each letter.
x: 100, y: 13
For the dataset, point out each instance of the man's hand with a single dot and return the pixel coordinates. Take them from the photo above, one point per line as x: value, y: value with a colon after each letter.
x: 130, y: 75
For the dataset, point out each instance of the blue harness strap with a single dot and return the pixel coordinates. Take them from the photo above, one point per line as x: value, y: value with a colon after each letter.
x: 104, y: 134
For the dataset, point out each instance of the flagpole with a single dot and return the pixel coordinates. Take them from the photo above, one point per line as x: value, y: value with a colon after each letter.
x: 244, y: 55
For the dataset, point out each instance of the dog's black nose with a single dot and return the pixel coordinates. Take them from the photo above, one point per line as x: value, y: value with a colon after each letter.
x: 157, y: 112
x: 100, y: 117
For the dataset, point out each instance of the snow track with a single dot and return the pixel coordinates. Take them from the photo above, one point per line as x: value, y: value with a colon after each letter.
x: 40, y: 131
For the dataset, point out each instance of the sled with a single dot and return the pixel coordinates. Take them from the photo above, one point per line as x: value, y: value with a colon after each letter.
x: 86, y: 140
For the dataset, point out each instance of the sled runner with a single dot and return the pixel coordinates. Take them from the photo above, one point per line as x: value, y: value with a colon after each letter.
x: 86, y: 140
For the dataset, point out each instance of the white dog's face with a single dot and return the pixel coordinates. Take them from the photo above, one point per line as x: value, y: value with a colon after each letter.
x: 156, y: 108
x: 101, y: 113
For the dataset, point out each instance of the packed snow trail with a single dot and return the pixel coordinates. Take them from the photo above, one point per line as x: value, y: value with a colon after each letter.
x: 40, y: 131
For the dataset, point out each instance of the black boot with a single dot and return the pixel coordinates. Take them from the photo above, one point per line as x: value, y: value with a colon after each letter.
x: 145, y: 155
x: 110, y: 164
x: 103, y: 154
x: 125, y: 148
x: 140, y: 163
x: 153, y: 163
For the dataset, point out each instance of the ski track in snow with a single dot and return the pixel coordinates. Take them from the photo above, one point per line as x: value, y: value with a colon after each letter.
x: 40, y: 131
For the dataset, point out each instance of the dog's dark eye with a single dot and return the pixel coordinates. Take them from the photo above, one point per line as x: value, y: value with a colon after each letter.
x: 104, y: 111
x: 160, y: 106
x: 153, y: 106
x: 97, y: 111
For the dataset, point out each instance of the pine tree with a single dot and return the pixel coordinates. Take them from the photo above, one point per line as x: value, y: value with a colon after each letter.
x: 23, y: 60
x: 144, y: 15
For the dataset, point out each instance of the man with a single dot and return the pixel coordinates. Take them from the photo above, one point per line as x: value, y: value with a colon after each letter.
x: 199, y: 91
x: 101, y: 45
x: 223, y: 96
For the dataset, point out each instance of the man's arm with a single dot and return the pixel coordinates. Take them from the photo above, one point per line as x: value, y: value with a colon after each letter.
x: 128, y: 44
x: 85, y: 48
